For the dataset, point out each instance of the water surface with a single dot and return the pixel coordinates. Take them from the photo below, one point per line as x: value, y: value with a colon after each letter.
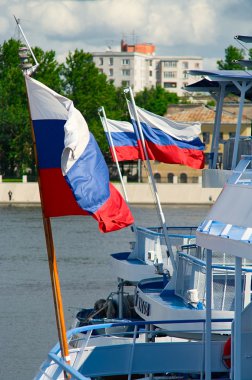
x: 27, y: 321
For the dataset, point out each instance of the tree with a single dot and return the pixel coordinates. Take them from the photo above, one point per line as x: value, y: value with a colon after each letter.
x: 156, y: 99
x: 90, y: 89
x: 232, y: 54
x: 15, y: 136
x: 16, y: 148
x: 49, y: 70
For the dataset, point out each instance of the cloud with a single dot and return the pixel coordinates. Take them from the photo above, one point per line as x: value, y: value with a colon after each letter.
x: 186, y: 27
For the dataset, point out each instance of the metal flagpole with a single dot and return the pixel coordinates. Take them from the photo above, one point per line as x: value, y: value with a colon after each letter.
x: 111, y: 143
x: 152, y: 181
x: 58, y: 304
x: 33, y: 68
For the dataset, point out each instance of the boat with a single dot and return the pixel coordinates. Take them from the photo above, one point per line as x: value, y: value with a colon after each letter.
x: 159, y: 299
x: 156, y: 299
x: 223, y: 230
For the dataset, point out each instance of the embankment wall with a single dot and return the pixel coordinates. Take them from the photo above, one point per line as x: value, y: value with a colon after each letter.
x: 138, y: 193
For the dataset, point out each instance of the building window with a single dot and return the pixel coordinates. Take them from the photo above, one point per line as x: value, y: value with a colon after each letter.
x: 206, y: 137
x: 150, y: 73
x: 125, y: 83
x: 196, y: 65
x: 111, y: 72
x: 150, y: 63
x: 125, y: 61
x: 183, y: 178
x: 170, y: 74
x: 170, y: 177
x: 195, y: 179
x: 157, y: 177
x: 101, y: 61
x: 170, y: 63
x: 125, y: 72
x: 185, y: 74
x: 185, y: 65
x: 111, y: 61
x: 170, y: 84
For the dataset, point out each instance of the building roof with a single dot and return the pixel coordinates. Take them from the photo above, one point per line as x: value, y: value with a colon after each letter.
x: 202, y: 114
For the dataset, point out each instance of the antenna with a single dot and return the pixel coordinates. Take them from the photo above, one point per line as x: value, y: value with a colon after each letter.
x: 26, y: 67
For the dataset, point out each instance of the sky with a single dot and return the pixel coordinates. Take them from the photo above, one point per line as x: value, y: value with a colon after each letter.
x: 201, y: 28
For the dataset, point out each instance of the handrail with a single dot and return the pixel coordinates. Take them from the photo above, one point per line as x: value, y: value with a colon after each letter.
x: 67, y: 368
x: 76, y: 375
x: 214, y: 266
x: 151, y: 230
x: 83, y: 329
x: 132, y: 352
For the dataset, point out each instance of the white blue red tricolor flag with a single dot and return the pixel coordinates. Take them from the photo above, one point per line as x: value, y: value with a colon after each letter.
x: 168, y: 141
x: 124, y: 140
x: 73, y: 175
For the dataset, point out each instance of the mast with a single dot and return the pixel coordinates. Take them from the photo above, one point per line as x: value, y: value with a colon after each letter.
x: 52, y: 261
x: 152, y: 180
x: 101, y: 110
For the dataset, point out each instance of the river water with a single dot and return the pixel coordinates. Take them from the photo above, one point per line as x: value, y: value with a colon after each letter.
x: 27, y: 322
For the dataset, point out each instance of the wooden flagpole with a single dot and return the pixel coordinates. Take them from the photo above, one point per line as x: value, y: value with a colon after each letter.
x: 52, y: 261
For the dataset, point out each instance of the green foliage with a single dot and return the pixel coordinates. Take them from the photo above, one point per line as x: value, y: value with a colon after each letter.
x: 211, y: 103
x: 232, y: 54
x: 49, y: 70
x: 15, y: 136
x: 16, y: 148
x: 185, y: 100
x: 156, y: 99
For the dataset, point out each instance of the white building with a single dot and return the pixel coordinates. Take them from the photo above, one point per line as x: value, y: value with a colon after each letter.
x: 138, y: 66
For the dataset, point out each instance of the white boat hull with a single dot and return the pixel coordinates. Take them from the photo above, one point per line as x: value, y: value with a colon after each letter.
x: 151, y: 306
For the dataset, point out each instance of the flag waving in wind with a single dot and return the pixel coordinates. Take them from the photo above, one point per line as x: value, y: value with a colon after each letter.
x: 168, y: 141
x: 123, y: 139
x: 73, y: 175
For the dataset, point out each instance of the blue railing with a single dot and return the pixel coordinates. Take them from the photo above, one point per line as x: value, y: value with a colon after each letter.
x: 138, y: 329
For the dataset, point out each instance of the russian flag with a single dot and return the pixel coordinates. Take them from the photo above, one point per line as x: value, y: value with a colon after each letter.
x: 64, y: 145
x: 123, y: 139
x: 168, y: 141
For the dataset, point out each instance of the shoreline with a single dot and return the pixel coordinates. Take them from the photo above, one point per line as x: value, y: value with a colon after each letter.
x: 27, y: 193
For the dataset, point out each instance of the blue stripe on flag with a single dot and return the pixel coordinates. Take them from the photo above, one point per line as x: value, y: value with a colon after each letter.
x: 159, y: 137
x: 89, y: 178
x: 123, y: 138
x: 49, y: 135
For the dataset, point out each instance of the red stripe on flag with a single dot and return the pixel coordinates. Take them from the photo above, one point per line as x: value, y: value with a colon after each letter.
x: 125, y: 153
x: 57, y: 197
x: 114, y: 213
x: 171, y: 154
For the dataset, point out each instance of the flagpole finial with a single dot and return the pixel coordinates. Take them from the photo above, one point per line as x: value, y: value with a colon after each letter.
x: 26, y: 67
